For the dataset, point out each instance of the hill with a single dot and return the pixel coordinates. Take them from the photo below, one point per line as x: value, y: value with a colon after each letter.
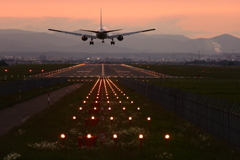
x: 19, y: 40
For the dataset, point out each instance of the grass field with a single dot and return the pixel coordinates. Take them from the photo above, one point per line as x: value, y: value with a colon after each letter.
x: 224, y: 90
x: 219, y: 81
x: 229, y: 72
x: 39, y: 136
x: 20, y: 71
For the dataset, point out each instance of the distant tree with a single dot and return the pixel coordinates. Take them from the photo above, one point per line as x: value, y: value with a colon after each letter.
x: 3, y: 63
x: 230, y: 63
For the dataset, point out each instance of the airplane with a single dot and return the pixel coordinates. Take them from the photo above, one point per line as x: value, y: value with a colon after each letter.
x: 102, y: 33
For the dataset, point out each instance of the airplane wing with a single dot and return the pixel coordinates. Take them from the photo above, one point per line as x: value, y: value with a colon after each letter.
x: 130, y: 33
x: 72, y: 33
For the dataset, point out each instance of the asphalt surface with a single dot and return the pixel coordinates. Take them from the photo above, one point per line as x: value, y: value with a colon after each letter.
x: 18, y: 113
x: 110, y: 70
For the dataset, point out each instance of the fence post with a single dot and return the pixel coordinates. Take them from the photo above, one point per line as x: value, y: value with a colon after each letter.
x: 48, y: 99
x: 19, y: 92
x: 66, y: 89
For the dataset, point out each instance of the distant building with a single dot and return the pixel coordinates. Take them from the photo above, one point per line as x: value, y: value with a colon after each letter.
x: 228, y: 57
x: 42, y: 58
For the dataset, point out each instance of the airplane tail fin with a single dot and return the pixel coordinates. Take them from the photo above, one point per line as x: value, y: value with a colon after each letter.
x: 101, y: 18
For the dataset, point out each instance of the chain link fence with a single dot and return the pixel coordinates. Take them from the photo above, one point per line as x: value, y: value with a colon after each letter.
x: 219, y: 117
x: 16, y: 86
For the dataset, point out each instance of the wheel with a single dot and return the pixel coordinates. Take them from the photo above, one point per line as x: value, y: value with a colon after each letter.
x: 102, y: 41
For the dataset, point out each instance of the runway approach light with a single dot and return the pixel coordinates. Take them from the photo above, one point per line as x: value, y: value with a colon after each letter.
x: 167, y: 136
x: 62, y: 136
x: 115, y: 136
x: 140, y: 136
x: 89, y: 136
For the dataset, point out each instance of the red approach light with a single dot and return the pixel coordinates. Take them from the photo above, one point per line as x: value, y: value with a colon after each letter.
x: 30, y: 70
x: 42, y: 70
x: 5, y: 70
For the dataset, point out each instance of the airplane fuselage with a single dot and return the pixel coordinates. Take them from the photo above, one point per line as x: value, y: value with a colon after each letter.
x: 101, y: 34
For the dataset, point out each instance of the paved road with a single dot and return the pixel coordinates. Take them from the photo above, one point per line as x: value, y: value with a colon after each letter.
x: 18, y: 113
x: 95, y: 70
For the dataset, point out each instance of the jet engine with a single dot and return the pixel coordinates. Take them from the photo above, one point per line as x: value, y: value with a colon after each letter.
x: 84, y: 38
x: 120, y: 37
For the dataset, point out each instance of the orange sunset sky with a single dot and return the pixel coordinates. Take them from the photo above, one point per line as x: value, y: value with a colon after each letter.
x: 192, y: 18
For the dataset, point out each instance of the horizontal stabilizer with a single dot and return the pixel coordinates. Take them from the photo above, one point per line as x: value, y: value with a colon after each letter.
x: 112, y: 30
x: 89, y: 30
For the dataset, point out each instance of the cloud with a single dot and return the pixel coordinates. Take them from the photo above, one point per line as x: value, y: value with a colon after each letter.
x: 235, y: 33
x: 41, y: 24
x: 164, y: 25
x: 170, y: 25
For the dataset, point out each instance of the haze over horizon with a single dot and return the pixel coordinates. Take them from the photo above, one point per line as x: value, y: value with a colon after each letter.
x: 193, y: 19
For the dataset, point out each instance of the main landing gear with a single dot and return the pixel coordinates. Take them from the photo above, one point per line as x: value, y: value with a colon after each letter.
x: 112, y: 42
x: 102, y: 41
x: 91, y: 43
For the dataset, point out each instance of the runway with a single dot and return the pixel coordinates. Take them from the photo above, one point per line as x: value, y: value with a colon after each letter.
x: 107, y: 70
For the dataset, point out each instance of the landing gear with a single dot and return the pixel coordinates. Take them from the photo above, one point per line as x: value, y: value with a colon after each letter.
x: 102, y: 41
x: 112, y: 42
x: 91, y: 43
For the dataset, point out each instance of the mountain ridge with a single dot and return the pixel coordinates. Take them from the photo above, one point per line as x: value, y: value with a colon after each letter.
x: 14, y: 40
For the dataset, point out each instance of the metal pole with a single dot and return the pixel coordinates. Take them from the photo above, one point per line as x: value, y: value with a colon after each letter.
x: 48, y: 99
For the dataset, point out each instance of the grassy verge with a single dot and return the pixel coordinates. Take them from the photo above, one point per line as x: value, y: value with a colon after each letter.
x: 20, y: 71
x: 224, y: 90
x: 9, y: 100
x: 39, y: 136
x: 228, y: 72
